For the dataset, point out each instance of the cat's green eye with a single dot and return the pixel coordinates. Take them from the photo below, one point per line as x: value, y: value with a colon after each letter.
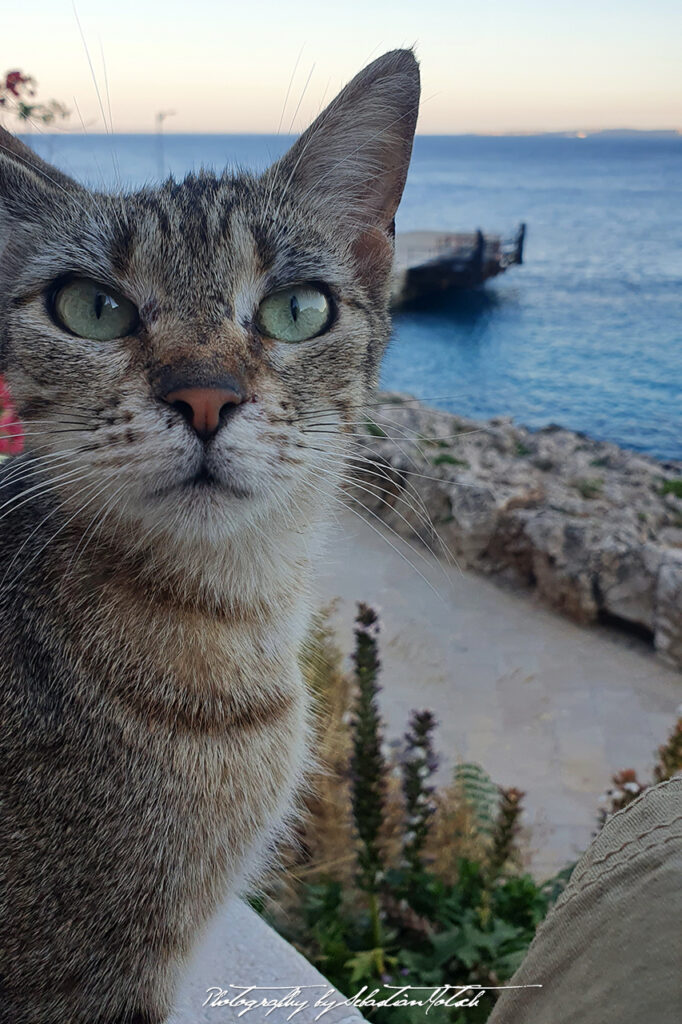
x: 294, y: 314
x: 93, y: 310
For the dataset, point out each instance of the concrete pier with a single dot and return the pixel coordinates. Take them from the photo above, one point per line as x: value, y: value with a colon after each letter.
x: 429, y: 263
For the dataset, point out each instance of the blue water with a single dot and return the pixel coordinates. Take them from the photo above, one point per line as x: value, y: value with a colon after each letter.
x: 588, y: 333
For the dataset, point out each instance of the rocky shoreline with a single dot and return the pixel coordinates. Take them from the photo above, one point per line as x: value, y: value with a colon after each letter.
x: 595, y: 529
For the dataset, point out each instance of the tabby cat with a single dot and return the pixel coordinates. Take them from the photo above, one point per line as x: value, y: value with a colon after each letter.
x: 187, y: 363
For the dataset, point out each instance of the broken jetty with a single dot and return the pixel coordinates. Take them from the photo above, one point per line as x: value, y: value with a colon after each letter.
x: 428, y: 263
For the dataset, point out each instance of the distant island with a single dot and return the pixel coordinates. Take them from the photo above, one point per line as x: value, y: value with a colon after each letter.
x: 597, y: 133
x: 625, y: 133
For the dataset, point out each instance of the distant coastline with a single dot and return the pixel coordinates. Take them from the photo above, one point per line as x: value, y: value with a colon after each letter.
x: 644, y: 134
x: 592, y: 133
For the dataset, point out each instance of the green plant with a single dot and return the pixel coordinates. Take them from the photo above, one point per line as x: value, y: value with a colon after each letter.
x: 374, y: 429
x: 669, y: 762
x: 445, y: 459
x: 672, y: 487
x: 17, y: 99
x: 478, y: 792
x: 397, y: 881
x: 368, y: 769
x: 507, y: 827
x: 522, y: 449
x: 590, y: 487
x: 419, y: 764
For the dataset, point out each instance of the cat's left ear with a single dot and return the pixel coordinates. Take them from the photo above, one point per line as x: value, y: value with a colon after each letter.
x: 30, y: 188
x: 351, y: 164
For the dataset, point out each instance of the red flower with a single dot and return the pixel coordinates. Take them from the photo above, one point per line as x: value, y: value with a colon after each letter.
x: 11, y: 439
x: 13, y: 80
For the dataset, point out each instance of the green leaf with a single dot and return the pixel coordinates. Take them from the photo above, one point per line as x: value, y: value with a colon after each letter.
x: 521, y: 901
x: 492, y: 941
x: 449, y: 945
x: 509, y: 963
x: 363, y: 965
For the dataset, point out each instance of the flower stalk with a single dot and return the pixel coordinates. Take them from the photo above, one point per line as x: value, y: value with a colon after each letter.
x: 506, y: 830
x: 368, y: 767
x: 418, y: 767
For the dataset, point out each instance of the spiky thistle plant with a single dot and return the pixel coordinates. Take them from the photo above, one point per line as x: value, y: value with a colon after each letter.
x: 368, y: 767
x: 418, y: 766
x: 506, y: 829
x: 670, y: 755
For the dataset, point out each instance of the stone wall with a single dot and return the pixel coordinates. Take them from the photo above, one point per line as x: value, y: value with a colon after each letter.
x: 595, y: 529
x: 240, y: 950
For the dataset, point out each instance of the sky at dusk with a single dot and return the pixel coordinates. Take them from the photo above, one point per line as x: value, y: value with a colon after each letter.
x: 487, y: 65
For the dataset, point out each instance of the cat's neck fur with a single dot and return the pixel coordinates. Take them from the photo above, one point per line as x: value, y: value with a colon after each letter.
x: 172, y: 633
x: 267, y: 560
x: 258, y: 579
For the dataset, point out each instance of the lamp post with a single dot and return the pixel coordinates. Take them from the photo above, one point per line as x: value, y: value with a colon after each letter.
x: 160, y: 155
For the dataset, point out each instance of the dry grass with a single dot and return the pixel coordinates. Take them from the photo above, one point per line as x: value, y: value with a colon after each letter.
x: 454, y: 834
x: 328, y: 838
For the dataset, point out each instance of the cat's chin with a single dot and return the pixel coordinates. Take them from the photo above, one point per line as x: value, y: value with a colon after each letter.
x: 203, y: 487
x: 200, y: 509
x: 191, y: 517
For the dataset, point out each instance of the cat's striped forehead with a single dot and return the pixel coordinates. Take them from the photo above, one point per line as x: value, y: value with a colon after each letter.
x: 200, y: 210
x: 196, y: 246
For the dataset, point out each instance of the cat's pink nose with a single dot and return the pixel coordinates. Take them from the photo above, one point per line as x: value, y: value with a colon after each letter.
x: 204, y: 408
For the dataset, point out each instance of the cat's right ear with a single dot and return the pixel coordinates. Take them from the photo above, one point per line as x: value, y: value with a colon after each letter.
x: 351, y: 163
x: 29, y: 187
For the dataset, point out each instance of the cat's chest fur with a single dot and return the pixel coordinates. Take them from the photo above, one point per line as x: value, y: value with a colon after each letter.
x: 153, y: 745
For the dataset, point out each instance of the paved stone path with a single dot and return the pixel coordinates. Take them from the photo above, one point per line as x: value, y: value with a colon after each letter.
x: 540, y: 703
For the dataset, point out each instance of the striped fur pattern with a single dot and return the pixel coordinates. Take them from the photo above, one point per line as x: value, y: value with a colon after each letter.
x: 154, y: 719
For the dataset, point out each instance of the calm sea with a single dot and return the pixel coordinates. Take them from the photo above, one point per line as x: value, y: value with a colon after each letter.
x: 587, y: 334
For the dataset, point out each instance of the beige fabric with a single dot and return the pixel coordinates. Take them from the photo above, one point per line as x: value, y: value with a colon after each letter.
x: 610, y: 952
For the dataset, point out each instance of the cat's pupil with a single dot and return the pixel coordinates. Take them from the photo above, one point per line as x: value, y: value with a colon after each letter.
x: 293, y: 305
x: 99, y: 304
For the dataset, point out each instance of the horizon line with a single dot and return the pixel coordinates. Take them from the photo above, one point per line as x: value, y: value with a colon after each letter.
x: 519, y: 133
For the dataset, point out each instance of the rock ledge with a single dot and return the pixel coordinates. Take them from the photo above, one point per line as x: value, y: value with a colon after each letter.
x: 594, y: 528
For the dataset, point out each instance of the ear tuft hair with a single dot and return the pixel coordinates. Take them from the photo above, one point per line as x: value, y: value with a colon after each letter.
x: 354, y: 157
x: 27, y: 183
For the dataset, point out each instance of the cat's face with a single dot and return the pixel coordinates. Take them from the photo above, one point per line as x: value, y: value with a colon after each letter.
x: 189, y: 358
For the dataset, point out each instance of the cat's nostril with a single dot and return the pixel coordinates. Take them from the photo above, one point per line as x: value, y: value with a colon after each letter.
x: 185, y: 410
x: 204, y: 408
x: 226, y: 409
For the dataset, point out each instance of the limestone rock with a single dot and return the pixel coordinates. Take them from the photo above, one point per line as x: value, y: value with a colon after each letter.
x: 593, y: 527
x: 668, y: 637
x: 627, y: 579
